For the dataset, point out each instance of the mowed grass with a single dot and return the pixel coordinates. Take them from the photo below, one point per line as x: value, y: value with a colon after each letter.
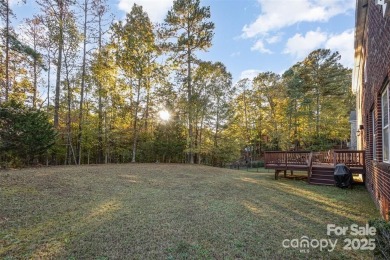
x: 169, y: 211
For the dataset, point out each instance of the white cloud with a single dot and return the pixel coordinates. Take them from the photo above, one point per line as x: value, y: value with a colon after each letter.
x: 274, y: 39
x: 259, y: 46
x: 278, y: 14
x: 156, y: 9
x: 249, y: 74
x: 343, y: 43
x: 300, y: 46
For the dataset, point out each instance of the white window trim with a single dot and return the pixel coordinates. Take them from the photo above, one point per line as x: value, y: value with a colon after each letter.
x: 385, y: 95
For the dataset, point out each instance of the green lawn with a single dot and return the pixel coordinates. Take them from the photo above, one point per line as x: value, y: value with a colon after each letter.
x: 169, y: 211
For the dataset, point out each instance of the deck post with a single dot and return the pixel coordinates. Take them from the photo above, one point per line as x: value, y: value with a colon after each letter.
x: 310, y: 166
x: 285, y: 159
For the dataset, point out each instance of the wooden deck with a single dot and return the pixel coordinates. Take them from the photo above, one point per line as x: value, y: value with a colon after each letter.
x: 318, y: 165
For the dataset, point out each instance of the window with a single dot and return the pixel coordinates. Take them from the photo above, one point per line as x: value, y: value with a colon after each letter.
x: 373, y: 135
x: 365, y: 72
x: 385, y: 124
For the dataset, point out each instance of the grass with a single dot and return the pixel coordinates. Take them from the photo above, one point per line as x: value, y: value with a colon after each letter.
x: 169, y: 211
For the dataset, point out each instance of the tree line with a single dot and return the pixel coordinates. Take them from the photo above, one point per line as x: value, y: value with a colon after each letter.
x: 102, y: 84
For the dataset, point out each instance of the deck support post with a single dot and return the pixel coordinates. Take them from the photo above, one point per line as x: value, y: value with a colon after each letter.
x: 277, y: 174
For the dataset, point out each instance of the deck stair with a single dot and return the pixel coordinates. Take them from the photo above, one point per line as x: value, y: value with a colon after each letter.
x: 322, y: 175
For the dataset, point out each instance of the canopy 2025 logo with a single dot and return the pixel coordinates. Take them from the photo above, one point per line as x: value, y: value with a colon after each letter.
x: 362, y: 239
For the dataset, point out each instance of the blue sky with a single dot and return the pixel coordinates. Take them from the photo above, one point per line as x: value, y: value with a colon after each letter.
x: 254, y: 36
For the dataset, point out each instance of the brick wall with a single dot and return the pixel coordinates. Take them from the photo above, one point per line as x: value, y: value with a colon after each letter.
x: 377, y: 49
x: 377, y: 183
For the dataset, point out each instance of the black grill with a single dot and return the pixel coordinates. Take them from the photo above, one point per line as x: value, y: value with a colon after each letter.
x: 342, y: 176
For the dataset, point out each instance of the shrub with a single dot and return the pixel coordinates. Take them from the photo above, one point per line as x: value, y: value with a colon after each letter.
x: 257, y: 164
x: 382, y: 238
x: 24, y: 133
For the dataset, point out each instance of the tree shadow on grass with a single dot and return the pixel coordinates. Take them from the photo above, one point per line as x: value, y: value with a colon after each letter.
x: 158, y: 215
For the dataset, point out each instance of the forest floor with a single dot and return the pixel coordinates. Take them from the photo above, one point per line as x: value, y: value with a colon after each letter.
x: 171, y: 211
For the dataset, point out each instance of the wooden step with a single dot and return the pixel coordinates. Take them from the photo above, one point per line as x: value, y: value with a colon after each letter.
x: 321, y: 181
x: 319, y: 177
x: 323, y: 173
x: 322, y: 176
x: 322, y: 169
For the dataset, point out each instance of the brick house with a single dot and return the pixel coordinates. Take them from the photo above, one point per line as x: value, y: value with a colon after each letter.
x: 371, y: 83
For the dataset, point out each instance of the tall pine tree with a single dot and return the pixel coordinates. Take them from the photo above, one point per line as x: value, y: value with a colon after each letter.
x: 189, y: 30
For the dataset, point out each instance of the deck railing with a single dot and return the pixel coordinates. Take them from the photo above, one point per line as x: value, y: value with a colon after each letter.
x: 351, y: 158
x: 283, y: 158
x: 322, y: 157
x: 276, y: 158
x: 298, y: 158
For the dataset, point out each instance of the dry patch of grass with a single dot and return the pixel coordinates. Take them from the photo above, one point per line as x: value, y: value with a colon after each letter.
x: 169, y: 211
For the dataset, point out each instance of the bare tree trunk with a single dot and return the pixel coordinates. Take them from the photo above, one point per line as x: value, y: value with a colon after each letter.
x: 317, y: 112
x: 296, y: 146
x: 69, y: 146
x: 48, y: 94
x: 48, y: 79
x: 147, y: 104
x: 106, y: 141
x: 135, y: 134
x: 247, y: 137
x: 196, y: 135
x: 100, y: 101
x: 216, y: 133
x: 59, y: 64
x: 34, y: 101
x: 190, y: 119
x: 35, y: 83
x: 7, y: 85
x: 80, y: 134
x: 200, y: 136
x: 100, y: 124
x: 260, y: 129
x: 260, y: 136
x: 246, y: 117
